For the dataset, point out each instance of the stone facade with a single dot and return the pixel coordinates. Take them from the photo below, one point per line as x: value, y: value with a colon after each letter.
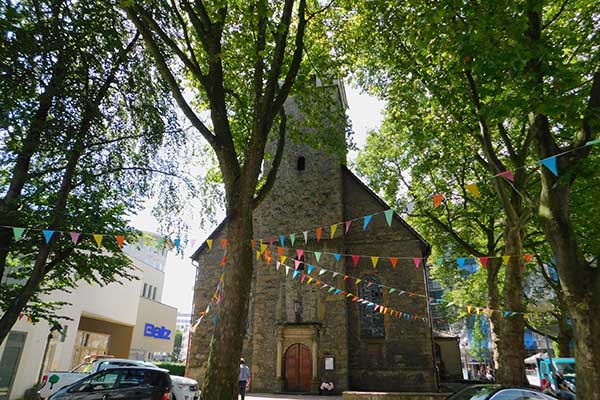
x: 285, y: 312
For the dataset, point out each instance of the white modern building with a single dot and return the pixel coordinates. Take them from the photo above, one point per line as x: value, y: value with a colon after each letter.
x: 125, y: 320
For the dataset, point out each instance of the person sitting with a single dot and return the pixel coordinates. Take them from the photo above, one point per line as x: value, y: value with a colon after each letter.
x: 326, y: 388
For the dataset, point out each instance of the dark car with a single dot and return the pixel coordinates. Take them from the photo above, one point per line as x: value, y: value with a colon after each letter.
x: 119, y: 383
x: 498, y: 392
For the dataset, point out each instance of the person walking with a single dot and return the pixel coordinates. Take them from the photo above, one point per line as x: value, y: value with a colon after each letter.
x: 244, y: 378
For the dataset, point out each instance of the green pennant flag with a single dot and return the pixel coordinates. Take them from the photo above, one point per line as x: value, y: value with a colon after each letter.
x: 318, y: 255
x: 388, y: 216
x: 18, y: 232
x: 593, y: 142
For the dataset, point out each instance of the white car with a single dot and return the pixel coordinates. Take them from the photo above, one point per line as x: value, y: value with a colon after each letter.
x: 183, y: 388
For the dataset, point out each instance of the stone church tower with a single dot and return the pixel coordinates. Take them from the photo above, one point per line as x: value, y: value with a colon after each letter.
x: 300, y: 335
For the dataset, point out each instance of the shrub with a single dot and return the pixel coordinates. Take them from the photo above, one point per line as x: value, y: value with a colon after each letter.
x: 174, y: 368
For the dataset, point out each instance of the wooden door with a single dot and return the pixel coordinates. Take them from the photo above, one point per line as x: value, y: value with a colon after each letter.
x: 298, y: 368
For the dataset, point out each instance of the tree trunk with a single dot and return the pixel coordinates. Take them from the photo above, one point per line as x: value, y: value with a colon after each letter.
x: 564, y: 338
x: 227, y: 341
x: 511, y: 347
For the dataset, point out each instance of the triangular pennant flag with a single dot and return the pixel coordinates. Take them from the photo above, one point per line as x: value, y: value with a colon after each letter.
x: 295, y: 274
x: 310, y: 268
x: 437, y: 199
x: 282, y: 240
x: 505, y: 259
x: 283, y: 258
x: 347, y: 225
x: 527, y: 257
x: 18, y: 232
x: 193, y: 243
x: 394, y: 261
x: 357, y: 281
x: 337, y: 256
x: 346, y: 277
x: 224, y: 261
x: 299, y: 253
x: 279, y: 250
x: 287, y: 270
x: 302, y: 278
x: 337, y: 291
x: 317, y: 255
x: 376, y: 307
x: 355, y: 260
x: 388, y: 216
x: 374, y: 261
x: 366, y: 220
x: 484, y: 261
x: 257, y: 254
x: 75, y: 237
x: 478, y: 310
x: 120, y: 239
x: 508, y: 175
x: 177, y: 243
x: 319, y: 233
x: 335, y: 273
x: 209, y: 243
x: 322, y: 271
x: 98, y: 238
x: 223, y: 243
x: 473, y: 189
x: 277, y: 265
x: 439, y: 261
x: 292, y: 238
x: 332, y: 229
x: 417, y: 261
x: 469, y: 309
x: 392, y: 290
x: 593, y: 142
x: 550, y: 163
x: 47, y: 235
x: 271, y: 240
x: 506, y: 313
x: 461, y: 262
x: 349, y: 295
x: 331, y: 289
x: 296, y: 264
x: 252, y: 243
x: 310, y: 280
x: 305, y: 234
x: 369, y: 284
x: 263, y: 248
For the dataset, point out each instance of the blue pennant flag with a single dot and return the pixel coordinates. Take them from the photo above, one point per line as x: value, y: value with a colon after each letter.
x: 310, y: 268
x: 461, y: 262
x: 550, y: 163
x: 337, y: 256
x: 366, y: 221
x: 216, y: 319
x: 48, y: 235
x: 282, y: 240
x: 177, y: 242
x: 506, y: 313
x: 296, y: 273
x: 337, y: 291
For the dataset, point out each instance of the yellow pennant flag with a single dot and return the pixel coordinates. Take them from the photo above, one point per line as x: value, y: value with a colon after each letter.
x: 333, y: 228
x: 309, y: 281
x: 209, y: 243
x: 505, y: 259
x: 478, y: 310
x: 357, y: 281
x: 469, y: 309
x: 283, y: 258
x: 473, y: 189
x: 98, y: 239
x: 374, y: 261
x: 263, y: 247
x: 257, y: 255
x: 349, y: 295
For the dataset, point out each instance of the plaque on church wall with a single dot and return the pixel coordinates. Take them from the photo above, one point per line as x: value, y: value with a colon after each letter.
x: 329, y: 364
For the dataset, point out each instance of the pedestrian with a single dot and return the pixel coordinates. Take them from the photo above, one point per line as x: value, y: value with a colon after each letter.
x: 244, y: 378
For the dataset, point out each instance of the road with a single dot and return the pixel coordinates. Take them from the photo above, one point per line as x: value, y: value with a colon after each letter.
x: 259, y: 396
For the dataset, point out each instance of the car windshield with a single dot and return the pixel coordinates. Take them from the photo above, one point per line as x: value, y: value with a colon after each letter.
x: 84, y: 368
x: 566, y: 368
x: 474, y: 393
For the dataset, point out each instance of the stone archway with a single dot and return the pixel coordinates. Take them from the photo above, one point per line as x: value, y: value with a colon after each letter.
x: 298, y: 368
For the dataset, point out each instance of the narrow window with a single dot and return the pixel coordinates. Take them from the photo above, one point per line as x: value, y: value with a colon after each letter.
x: 145, y: 290
x: 154, y: 293
x: 301, y: 165
x: 371, y: 322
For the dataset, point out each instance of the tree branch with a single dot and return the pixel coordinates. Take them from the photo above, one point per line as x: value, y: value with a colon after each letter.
x: 560, y: 11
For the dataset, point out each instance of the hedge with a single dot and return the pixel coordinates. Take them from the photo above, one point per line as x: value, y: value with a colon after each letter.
x: 174, y: 368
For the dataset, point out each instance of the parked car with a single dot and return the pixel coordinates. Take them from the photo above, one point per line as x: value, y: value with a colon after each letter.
x: 183, y: 388
x: 134, y: 383
x: 498, y: 392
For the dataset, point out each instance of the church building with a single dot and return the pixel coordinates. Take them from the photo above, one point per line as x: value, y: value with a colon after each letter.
x: 300, y: 334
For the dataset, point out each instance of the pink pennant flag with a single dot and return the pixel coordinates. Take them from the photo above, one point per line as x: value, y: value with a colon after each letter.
x: 347, y: 224
x: 296, y: 264
x: 75, y: 237
x: 484, y: 261
x: 394, y: 261
x: 417, y: 261
x: 355, y: 260
x: 508, y: 175
x: 299, y: 253
x: 193, y: 242
x: 271, y: 240
x: 302, y: 278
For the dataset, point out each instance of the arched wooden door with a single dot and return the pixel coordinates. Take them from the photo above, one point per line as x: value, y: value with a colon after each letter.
x: 298, y: 368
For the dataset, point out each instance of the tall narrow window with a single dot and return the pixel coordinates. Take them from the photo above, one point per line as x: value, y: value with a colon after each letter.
x: 145, y: 290
x: 301, y: 164
x: 154, y: 293
x: 371, y: 322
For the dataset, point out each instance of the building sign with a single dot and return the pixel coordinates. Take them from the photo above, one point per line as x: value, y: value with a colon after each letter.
x: 157, y: 332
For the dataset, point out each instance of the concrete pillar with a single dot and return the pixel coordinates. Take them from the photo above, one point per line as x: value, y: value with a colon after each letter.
x: 279, y: 356
x: 314, y: 358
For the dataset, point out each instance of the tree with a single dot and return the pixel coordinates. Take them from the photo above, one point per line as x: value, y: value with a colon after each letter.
x: 239, y: 60
x: 78, y: 147
x: 516, y: 68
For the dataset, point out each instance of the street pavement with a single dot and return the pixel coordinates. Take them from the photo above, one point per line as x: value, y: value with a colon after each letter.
x: 259, y: 396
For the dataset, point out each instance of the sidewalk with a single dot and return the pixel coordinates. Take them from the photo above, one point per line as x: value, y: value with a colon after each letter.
x: 258, y: 396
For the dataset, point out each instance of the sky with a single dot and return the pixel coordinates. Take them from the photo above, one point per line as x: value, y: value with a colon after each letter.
x: 364, y: 111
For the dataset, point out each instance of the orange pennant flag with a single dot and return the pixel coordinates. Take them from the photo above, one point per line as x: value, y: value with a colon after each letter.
x: 437, y: 199
x: 527, y: 257
x: 473, y: 189
x: 279, y: 250
x: 252, y: 242
x: 394, y: 261
x: 120, y: 240
x: 223, y: 243
x: 224, y: 261
x: 319, y: 232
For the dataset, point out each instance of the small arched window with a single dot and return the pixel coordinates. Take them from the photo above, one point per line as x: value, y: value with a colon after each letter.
x: 371, y: 322
x: 301, y: 163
